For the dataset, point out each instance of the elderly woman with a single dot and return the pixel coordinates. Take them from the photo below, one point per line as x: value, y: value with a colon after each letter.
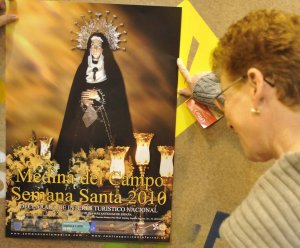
x: 258, y: 64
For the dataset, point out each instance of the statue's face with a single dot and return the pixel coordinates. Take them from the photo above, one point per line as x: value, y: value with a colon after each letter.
x: 96, y: 49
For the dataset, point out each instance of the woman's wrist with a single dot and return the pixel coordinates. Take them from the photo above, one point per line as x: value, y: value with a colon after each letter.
x: 206, y: 89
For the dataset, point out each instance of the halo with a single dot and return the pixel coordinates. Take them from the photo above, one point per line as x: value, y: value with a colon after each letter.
x: 97, y: 23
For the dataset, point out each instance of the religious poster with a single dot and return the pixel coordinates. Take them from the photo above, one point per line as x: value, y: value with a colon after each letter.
x: 91, y: 94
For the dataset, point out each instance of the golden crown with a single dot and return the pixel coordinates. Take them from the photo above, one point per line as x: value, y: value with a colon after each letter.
x: 97, y: 23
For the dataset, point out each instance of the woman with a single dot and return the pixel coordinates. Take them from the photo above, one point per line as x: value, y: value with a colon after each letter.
x: 97, y: 113
x: 258, y: 64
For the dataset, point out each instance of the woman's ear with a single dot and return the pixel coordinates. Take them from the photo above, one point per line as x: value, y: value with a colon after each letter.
x: 257, y: 86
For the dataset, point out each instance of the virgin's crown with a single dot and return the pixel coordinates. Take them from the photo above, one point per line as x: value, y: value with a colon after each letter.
x: 97, y: 23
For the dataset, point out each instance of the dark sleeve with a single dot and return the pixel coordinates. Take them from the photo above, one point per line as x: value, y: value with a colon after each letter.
x: 63, y: 149
x: 120, y: 116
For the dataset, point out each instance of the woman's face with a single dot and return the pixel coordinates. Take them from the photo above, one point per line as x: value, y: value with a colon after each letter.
x: 248, y: 126
x: 96, y: 50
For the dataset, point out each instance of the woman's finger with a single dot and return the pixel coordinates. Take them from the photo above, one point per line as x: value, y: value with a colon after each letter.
x: 5, y: 19
x: 2, y: 5
x: 184, y: 71
x: 185, y: 92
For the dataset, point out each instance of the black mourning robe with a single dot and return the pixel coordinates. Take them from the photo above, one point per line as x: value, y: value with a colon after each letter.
x: 74, y: 135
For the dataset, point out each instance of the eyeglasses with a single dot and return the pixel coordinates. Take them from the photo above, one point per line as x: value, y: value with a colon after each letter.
x: 219, y: 99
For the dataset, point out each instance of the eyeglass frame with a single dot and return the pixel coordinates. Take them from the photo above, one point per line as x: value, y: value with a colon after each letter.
x: 220, y: 103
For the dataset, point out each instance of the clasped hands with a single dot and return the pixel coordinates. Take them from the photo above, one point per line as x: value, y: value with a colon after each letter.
x: 88, y: 97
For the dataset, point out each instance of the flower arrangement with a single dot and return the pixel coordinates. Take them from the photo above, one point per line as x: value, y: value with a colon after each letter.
x: 167, y: 218
x: 36, y: 157
x: 28, y: 157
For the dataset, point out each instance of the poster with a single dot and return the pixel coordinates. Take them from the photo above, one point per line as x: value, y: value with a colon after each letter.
x: 91, y: 109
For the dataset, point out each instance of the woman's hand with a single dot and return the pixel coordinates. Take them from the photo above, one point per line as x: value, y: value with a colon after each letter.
x: 86, y: 102
x: 203, y: 87
x: 190, y: 79
x: 6, y: 18
x: 90, y: 94
x: 88, y: 97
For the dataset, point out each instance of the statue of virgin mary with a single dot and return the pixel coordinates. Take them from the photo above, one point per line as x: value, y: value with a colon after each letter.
x: 97, y: 112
